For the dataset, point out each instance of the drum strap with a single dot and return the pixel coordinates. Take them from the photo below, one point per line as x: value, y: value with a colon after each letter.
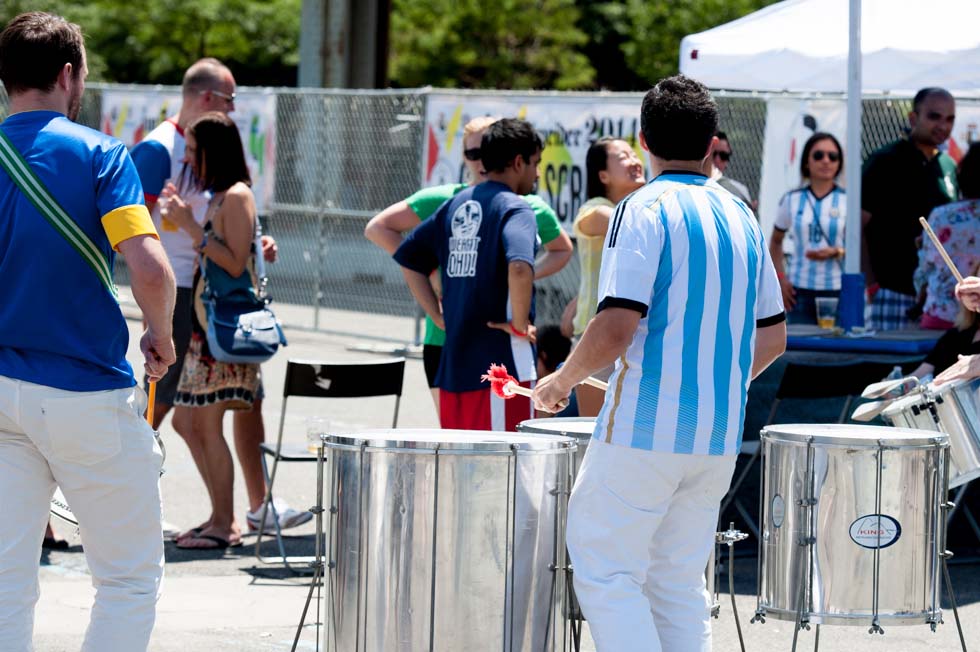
x: 27, y: 181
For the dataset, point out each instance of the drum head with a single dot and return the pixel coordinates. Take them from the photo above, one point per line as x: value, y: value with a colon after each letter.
x: 832, y: 434
x: 463, y: 440
x: 577, y: 427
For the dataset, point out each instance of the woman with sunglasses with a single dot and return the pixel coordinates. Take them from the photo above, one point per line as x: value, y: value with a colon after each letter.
x: 386, y: 228
x: 814, y: 216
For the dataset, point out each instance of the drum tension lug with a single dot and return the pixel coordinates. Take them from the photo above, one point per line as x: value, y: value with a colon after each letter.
x: 876, y: 628
x: 806, y: 502
x: 760, y: 616
x: 316, y: 510
x: 333, y: 509
x: 947, y: 554
x: 949, y: 505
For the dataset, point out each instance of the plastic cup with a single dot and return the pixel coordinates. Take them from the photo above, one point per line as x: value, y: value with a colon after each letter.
x: 316, y: 427
x: 826, y: 311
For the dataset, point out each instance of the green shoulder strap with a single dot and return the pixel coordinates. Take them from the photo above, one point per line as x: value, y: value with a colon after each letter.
x: 25, y: 179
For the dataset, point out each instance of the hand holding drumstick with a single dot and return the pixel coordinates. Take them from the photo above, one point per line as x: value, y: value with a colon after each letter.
x: 967, y: 289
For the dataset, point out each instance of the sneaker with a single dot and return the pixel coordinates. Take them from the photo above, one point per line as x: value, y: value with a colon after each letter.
x: 288, y: 517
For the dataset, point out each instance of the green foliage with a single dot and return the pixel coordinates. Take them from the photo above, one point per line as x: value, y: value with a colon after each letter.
x: 154, y: 42
x: 560, y: 44
x: 473, y: 44
x: 653, y: 31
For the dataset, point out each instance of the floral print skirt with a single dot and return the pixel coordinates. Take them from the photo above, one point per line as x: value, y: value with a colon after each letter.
x: 206, y: 381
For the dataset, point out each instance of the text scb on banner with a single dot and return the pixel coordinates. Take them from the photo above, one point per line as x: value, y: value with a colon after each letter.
x: 131, y: 114
x: 567, y: 124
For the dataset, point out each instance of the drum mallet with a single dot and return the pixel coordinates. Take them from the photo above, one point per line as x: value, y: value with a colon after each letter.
x: 506, y: 386
x: 942, y: 251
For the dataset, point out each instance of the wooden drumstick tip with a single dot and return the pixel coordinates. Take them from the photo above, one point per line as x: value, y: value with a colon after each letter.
x: 942, y: 250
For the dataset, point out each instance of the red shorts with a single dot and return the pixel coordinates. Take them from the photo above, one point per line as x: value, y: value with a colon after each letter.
x: 483, y: 410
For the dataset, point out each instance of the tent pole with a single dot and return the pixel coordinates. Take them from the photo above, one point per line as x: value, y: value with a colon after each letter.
x: 852, y: 289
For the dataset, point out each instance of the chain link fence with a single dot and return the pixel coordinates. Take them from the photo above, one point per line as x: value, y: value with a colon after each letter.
x: 344, y: 155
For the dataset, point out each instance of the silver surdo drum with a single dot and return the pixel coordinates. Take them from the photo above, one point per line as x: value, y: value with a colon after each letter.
x: 853, y: 524
x: 446, y: 540
x: 953, y: 408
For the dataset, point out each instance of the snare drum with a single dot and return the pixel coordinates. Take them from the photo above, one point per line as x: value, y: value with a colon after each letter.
x: 956, y: 406
x: 446, y: 540
x: 853, y: 524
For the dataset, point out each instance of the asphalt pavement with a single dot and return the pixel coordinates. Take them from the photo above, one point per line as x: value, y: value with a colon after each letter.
x: 225, y: 600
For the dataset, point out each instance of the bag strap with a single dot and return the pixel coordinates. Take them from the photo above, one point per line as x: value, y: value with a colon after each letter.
x: 24, y: 177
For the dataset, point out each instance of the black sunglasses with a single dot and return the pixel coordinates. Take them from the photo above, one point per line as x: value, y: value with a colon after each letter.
x: 725, y: 156
x: 472, y: 154
x: 832, y: 156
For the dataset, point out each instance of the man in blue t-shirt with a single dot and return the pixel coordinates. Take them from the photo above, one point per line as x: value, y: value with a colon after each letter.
x: 483, y: 241
x: 70, y: 411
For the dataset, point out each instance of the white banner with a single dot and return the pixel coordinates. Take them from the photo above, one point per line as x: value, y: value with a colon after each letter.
x: 131, y: 114
x: 568, y: 125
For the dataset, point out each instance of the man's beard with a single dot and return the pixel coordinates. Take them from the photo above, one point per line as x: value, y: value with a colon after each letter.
x: 74, y: 106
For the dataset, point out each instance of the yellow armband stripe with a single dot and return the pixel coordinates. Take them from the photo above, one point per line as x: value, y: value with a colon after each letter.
x: 127, y: 222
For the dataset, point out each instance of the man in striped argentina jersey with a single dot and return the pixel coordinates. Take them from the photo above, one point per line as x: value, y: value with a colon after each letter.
x: 690, y: 310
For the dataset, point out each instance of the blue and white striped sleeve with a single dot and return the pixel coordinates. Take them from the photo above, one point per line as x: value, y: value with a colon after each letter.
x: 631, y: 257
x: 769, y: 303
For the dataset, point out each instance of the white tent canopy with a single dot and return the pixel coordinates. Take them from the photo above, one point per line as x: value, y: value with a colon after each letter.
x: 801, y: 45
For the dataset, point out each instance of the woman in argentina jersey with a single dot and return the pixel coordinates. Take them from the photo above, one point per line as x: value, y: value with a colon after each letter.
x: 815, y: 216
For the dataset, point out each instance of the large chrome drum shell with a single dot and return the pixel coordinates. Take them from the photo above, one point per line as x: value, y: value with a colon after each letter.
x: 446, y: 540
x: 957, y: 405
x: 869, y: 500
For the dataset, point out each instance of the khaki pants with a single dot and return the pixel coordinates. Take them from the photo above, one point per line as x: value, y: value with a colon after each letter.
x: 99, y: 450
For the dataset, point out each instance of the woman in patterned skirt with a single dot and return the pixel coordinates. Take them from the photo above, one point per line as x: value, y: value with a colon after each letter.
x: 226, y: 244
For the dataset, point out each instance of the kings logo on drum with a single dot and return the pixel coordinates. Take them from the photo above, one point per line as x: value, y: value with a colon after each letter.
x: 464, y: 243
x: 875, y: 531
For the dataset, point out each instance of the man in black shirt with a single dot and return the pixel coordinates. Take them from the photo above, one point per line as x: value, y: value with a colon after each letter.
x: 901, y: 182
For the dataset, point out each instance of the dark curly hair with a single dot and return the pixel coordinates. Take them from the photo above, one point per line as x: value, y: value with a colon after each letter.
x: 678, y: 119
x: 505, y: 139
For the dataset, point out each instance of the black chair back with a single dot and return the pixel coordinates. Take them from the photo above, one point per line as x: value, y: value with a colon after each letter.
x: 344, y: 379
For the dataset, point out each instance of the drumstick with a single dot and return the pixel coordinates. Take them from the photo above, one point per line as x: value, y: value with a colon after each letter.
x: 595, y: 382
x: 151, y: 402
x: 506, y: 386
x: 942, y: 252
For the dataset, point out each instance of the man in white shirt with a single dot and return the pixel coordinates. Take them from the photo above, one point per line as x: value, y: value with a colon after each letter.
x: 690, y: 310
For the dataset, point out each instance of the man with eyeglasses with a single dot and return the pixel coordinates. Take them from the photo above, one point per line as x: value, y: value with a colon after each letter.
x: 901, y: 182
x: 720, y: 158
x: 208, y: 86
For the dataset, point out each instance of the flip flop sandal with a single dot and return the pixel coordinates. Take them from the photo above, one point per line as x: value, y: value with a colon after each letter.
x: 219, y: 543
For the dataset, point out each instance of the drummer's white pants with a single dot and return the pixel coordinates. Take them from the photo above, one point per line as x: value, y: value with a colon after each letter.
x: 99, y: 450
x: 640, y: 529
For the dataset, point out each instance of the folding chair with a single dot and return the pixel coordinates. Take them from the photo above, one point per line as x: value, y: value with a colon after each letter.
x: 315, y: 379
x: 806, y: 381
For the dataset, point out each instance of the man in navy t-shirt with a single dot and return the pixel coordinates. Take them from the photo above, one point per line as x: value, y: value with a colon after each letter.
x: 483, y: 240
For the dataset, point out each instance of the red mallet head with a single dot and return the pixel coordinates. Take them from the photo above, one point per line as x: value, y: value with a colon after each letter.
x: 498, y: 378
